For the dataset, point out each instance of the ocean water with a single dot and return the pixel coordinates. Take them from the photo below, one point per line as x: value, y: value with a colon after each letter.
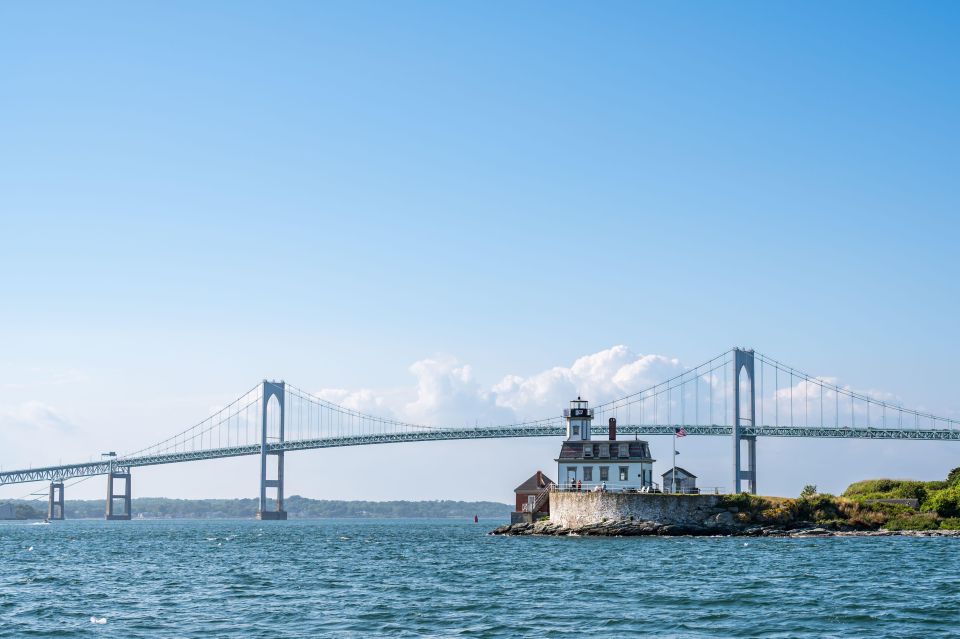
x: 404, y: 578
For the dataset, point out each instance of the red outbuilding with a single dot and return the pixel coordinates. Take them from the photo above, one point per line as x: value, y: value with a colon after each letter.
x: 533, y: 495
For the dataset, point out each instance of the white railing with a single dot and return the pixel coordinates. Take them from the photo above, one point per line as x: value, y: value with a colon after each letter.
x: 588, y: 487
x: 699, y: 490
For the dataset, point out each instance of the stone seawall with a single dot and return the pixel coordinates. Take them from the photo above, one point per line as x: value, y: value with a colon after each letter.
x: 574, y: 510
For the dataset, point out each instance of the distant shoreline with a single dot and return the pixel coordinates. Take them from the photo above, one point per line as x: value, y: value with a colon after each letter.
x: 163, y: 508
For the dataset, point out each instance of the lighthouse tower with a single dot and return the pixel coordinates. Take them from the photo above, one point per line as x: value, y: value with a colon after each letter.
x: 578, y: 416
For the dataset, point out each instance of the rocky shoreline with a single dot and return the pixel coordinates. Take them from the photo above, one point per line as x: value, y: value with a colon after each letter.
x: 627, y: 528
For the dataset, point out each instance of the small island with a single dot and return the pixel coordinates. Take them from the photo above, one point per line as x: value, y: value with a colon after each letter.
x: 875, y: 507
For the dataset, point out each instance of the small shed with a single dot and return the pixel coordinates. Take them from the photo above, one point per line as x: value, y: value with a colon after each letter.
x: 686, y: 481
x: 533, y: 495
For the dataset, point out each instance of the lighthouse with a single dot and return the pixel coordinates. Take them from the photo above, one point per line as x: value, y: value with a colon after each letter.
x: 585, y: 463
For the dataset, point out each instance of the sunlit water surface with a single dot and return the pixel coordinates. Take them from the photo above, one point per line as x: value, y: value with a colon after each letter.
x: 357, y: 578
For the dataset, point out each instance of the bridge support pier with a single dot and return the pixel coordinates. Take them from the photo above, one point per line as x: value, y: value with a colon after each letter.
x: 55, y: 501
x: 113, y: 496
x: 743, y: 361
x: 271, y: 390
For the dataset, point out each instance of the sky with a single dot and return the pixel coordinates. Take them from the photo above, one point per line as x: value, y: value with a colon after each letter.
x: 426, y: 204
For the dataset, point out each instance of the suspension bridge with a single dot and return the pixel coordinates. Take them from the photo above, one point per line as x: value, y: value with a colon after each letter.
x: 740, y: 394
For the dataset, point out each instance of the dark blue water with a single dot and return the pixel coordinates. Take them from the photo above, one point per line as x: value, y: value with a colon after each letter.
x: 349, y: 578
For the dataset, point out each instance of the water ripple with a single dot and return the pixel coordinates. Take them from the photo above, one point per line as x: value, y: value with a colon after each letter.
x: 348, y: 578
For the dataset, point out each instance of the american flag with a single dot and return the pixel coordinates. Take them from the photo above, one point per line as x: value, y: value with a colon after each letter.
x: 681, y: 431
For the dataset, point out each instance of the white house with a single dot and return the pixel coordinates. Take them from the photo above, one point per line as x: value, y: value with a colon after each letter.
x: 585, y: 462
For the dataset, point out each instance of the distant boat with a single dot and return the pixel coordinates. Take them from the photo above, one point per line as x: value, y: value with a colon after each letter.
x: 476, y: 519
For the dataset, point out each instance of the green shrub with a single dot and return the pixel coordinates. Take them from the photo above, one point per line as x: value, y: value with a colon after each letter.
x: 888, y: 489
x: 819, y: 508
x: 808, y: 491
x: 742, y: 501
x: 950, y: 523
x: 953, y: 477
x: 862, y: 515
x: 945, y: 503
x: 783, y: 513
x: 922, y: 521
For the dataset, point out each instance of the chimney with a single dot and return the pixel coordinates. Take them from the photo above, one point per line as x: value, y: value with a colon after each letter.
x: 539, y: 479
x: 613, y: 428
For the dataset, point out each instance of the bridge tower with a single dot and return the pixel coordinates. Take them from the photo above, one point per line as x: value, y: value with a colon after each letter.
x: 264, y: 512
x: 123, y: 475
x: 743, y: 361
x: 55, y: 501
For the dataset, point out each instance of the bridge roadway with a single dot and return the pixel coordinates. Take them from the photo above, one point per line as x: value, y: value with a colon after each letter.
x: 69, y: 471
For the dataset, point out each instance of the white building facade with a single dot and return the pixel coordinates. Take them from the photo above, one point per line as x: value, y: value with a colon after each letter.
x: 585, y: 462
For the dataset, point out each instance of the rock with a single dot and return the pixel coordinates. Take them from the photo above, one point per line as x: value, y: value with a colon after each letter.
x: 724, y: 518
x: 683, y: 529
x: 811, y: 532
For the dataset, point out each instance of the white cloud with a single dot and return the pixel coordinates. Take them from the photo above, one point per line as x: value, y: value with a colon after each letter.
x: 816, y: 397
x: 364, y: 400
x: 33, y: 416
x: 447, y: 393
x: 35, y: 433
x: 599, y: 377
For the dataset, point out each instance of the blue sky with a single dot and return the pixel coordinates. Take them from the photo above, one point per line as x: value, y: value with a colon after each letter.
x: 195, y: 197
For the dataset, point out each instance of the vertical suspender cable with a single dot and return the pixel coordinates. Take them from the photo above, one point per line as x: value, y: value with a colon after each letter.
x: 762, y: 419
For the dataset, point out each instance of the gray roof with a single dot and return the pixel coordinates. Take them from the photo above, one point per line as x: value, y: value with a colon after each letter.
x: 638, y: 450
x: 679, y: 470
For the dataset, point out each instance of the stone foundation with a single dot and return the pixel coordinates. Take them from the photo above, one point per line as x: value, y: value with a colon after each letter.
x: 574, y: 510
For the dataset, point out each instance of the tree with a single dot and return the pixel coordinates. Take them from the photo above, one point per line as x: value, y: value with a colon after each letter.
x: 810, y: 490
x: 953, y: 478
x: 945, y: 503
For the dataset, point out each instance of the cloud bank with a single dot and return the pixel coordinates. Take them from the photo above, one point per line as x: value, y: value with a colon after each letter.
x: 446, y: 391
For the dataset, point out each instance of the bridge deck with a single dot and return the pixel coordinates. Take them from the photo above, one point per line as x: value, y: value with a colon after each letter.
x: 68, y: 471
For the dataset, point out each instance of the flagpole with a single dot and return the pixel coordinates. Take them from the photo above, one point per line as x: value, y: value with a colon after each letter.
x: 673, y: 479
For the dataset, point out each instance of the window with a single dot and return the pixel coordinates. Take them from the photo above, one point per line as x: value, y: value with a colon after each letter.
x: 604, y: 473
x: 624, y: 473
x: 624, y: 450
x: 588, y: 473
x: 584, y: 431
x: 588, y: 450
x: 604, y: 450
x: 571, y: 474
